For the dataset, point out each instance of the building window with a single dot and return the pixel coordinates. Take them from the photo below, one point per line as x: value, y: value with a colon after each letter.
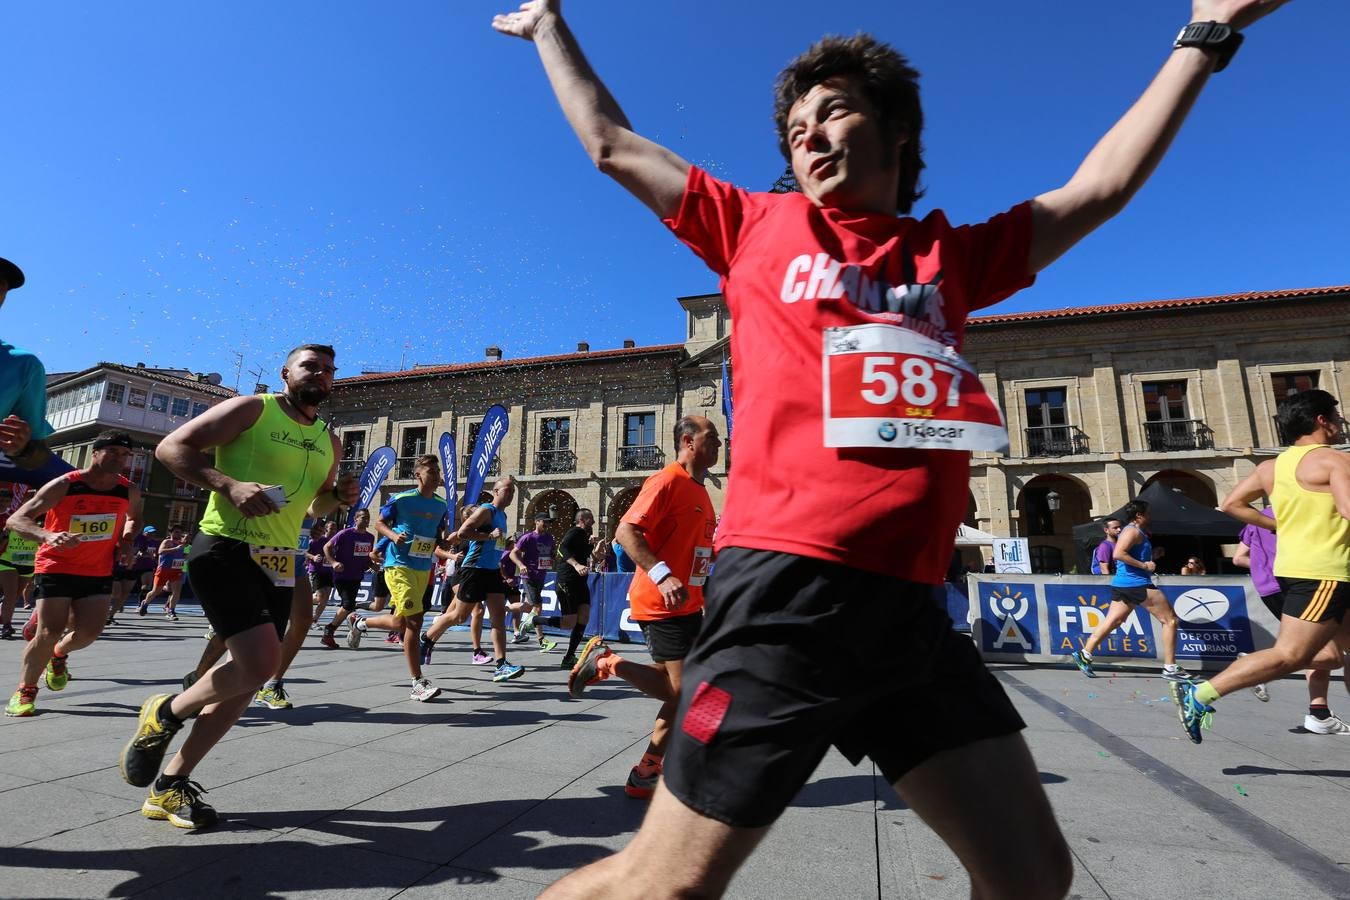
x: 1165, y: 401
x: 183, y: 515
x: 466, y: 460
x: 136, y: 398
x: 354, y: 445
x: 555, y: 446
x: 185, y: 489
x: 139, y: 471
x: 1048, y: 430
x: 639, y: 449
x: 116, y: 392
x: 159, y: 403
x: 179, y: 407
x: 1284, y: 384
x: 1168, y: 425
x: 414, y: 445
x: 199, y: 408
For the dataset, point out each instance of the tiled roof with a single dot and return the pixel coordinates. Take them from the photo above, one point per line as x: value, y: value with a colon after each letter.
x: 1149, y: 305
x: 423, y: 371
x: 161, y: 375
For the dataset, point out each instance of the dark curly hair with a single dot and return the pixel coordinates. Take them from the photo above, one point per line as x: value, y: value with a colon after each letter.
x: 888, y: 81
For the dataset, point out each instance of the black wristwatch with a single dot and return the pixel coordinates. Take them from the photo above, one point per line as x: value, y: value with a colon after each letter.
x: 1216, y: 37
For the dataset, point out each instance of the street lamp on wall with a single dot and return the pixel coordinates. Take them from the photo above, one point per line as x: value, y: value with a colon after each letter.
x: 1052, y: 501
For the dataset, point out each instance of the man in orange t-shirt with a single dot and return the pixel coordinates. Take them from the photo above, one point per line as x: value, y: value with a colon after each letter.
x: 668, y: 531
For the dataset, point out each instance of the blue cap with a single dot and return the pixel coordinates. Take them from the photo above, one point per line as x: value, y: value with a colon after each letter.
x: 149, y: 529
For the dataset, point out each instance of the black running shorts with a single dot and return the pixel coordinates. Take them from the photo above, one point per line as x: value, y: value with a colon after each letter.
x: 533, y: 590
x: 234, y: 592
x: 798, y: 654
x: 321, y: 580
x: 347, y: 591
x: 72, y: 587
x: 477, y: 584
x: 1131, y: 595
x: 23, y: 571
x: 1275, y: 603
x: 1314, y: 601
x: 378, y: 587
x: 573, y: 593
x: 669, y: 640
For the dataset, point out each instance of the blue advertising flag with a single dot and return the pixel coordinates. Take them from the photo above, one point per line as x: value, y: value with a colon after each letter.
x: 726, y: 397
x: 377, y: 469
x: 490, y: 435
x: 447, y: 447
x: 36, y: 478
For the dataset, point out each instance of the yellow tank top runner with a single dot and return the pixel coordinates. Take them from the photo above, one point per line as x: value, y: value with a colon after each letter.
x: 1314, y: 539
x: 276, y: 450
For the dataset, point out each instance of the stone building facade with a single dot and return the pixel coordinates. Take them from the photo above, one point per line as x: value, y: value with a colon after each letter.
x: 1099, y: 401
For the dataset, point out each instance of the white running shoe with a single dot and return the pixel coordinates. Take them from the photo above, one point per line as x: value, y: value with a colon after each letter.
x: 423, y: 690
x: 1333, y: 725
x: 354, y: 632
x: 1261, y: 693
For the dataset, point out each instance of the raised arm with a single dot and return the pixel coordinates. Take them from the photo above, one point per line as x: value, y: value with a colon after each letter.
x: 650, y: 172
x: 1126, y: 156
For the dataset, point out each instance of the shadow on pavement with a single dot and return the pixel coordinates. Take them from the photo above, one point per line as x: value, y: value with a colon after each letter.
x: 1263, y: 770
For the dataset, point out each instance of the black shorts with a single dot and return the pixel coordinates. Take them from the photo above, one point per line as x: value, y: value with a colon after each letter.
x: 477, y: 584
x: 121, y: 574
x: 1131, y: 595
x: 23, y: 571
x: 347, y: 591
x: 378, y: 587
x: 761, y: 703
x: 321, y: 580
x: 669, y: 640
x: 74, y: 587
x: 234, y: 592
x: 573, y: 593
x: 427, y: 594
x: 1314, y: 601
x: 533, y: 592
x: 1275, y: 603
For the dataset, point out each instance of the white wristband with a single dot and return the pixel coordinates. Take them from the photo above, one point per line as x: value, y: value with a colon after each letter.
x: 659, y: 572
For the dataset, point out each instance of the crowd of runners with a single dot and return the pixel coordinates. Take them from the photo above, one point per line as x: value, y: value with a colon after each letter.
x: 850, y: 314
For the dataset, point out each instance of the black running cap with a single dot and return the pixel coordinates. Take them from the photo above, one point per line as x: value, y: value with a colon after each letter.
x: 117, y: 439
x: 542, y: 516
x: 12, y: 274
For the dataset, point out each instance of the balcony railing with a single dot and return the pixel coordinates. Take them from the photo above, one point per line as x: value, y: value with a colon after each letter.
x: 405, y: 466
x: 1178, y: 434
x: 466, y: 462
x: 351, y: 467
x: 1056, y: 440
x: 1283, y: 440
x: 553, y: 462
x: 641, y: 456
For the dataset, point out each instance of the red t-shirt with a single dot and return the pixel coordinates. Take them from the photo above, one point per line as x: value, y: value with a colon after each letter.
x: 677, y: 519
x: 788, y: 271
x: 98, y: 517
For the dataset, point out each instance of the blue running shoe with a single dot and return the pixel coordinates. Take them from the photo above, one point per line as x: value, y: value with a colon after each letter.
x: 506, y: 672
x: 1083, y: 663
x: 1194, y: 715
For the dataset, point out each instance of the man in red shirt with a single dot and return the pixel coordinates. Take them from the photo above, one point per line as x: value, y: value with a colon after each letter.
x: 856, y: 416
x: 88, y: 518
x: 668, y: 531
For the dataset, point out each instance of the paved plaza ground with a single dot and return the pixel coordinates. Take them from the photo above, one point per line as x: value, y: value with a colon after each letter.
x: 497, y: 790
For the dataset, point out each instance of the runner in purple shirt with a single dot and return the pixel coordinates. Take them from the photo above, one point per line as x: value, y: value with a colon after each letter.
x: 1257, y: 553
x: 533, y: 556
x: 1103, y: 558
x: 348, y: 556
x: 316, y: 564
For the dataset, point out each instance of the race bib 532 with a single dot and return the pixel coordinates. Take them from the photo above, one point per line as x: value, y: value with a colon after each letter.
x: 277, y: 562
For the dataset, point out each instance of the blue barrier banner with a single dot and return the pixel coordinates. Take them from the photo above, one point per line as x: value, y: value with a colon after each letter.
x: 378, y: 467
x: 1213, y: 621
x: 446, y: 446
x: 35, y: 478
x: 1010, y: 617
x: 1075, y: 609
x: 490, y: 435
x: 726, y: 397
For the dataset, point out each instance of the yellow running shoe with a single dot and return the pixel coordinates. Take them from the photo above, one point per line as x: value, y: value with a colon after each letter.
x: 58, y: 674
x: 23, y: 703
x: 143, y: 755
x: 181, y: 803
x: 272, y: 697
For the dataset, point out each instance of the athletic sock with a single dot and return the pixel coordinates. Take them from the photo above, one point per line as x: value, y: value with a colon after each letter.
x: 1206, y: 694
x: 499, y: 662
x: 60, y: 656
x: 426, y: 639
x: 166, y: 716
x: 164, y: 782
x: 578, y: 632
x: 1319, y: 712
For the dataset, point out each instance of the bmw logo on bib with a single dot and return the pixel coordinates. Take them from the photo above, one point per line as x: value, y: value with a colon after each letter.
x: 887, y: 431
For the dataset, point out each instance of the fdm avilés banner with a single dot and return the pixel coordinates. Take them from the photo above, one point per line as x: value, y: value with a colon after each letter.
x: 490, y: 435
x: 378, y: 467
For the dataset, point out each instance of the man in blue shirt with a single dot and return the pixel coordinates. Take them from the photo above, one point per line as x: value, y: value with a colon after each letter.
x: 24, y: 458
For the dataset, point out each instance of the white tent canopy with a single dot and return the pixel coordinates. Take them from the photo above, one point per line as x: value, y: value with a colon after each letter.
x: 973, y: 537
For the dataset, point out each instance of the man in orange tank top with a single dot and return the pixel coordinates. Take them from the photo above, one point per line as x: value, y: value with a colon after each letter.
x: 668, y: 531
x: 1309, y: 488
x: 91, y: 517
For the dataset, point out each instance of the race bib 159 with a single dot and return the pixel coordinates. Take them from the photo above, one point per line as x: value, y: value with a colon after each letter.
x: 886, y: 386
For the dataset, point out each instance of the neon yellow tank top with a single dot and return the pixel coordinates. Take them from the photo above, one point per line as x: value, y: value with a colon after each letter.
x: 20, y: 552
x: 1314, y: 539
x: 276, y: 450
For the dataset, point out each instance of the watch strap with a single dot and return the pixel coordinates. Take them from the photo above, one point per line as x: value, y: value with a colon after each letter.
x: 1218, y: 38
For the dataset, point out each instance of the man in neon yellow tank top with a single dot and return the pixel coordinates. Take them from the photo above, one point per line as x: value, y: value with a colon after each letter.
x: 275, y: 461
x: 1309, y: 489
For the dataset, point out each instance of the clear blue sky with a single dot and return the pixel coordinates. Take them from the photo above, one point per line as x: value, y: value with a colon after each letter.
x: 182, y: 181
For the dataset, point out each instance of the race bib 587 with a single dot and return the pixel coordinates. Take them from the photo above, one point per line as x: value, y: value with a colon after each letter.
x: 886, y: 386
